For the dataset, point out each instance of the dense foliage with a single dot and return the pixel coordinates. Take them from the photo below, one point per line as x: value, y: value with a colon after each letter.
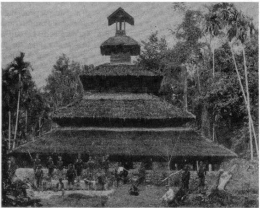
x: 207, y: 44
x: 214, y: 93
x: 63, y: 85
x: 31, y: 102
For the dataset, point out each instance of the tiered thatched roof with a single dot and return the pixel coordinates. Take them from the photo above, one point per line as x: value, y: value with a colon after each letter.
x: 118, y: 70
x: 132, y: 142
x: 121, y: 42
x: 122, y: 106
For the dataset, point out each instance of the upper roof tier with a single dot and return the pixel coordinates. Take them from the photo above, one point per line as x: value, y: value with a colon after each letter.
x: 120, y: 47
x: 122, y: 109
x: 109, y: 78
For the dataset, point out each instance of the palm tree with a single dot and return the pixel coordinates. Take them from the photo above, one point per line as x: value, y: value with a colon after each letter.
x: 212, y: 27
x: 20, y: 68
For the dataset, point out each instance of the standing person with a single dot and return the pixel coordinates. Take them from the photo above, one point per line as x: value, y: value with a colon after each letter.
x: 36, y: 162
x: 71, y: 174
x: 60, y: 186
x: 141, y: 173
x: 50, y: 166
x: 185, y: 178
x: 105, y: 164
x: 60, y: 167
x: 79, y: 167
x: 91, y: 164
x: 201, y: 174
x: 39, y: 176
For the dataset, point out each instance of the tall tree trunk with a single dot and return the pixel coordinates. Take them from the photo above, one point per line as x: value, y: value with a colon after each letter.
x: 9, y: 130
x: 213, y: 70
x: 17, y: 114
x: 205, y: 122
x: 245, y: 99
x: 185, y: 101
x: 250, y: 121
x: 213, y: 75
x: 39, y: 126
x: 26, y: 120
x: 213, y: 131
x: 198, y: 77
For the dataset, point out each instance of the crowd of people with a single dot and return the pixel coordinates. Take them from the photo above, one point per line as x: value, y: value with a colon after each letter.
x: 174, y: 194
x: 95, y: 172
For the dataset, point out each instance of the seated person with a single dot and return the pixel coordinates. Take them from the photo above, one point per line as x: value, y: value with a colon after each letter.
x: 168, y: 197
x: 134, y: 190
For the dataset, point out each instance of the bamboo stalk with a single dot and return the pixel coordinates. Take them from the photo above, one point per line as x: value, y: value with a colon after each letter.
x: 17, y: 114
x: 245, y: 99
x: 250, y: 121
x: 9, y: 130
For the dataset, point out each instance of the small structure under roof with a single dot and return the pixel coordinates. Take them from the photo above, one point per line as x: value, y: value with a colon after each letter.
x: 120, y: 48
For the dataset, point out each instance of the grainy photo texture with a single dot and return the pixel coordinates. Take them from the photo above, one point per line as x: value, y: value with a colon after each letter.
x: 130, y: 104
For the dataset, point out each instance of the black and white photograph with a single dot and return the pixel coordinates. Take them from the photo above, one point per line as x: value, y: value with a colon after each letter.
x: 130, y: 104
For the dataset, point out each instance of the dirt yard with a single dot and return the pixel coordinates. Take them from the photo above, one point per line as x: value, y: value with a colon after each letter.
x: 150, y: 196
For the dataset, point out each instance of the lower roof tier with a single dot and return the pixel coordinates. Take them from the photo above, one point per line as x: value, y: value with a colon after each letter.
x: 129, y: 142
x: 125, y: 107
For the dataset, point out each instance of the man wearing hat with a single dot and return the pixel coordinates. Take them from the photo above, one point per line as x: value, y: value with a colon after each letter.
x: 38, y: 176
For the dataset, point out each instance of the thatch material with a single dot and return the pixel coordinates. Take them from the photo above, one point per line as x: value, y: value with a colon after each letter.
x: 121, y: 83
x: 120, y: 15
x: 120, y: 43
x: 133, y: 143
x: 118, y: 70
x: 130, y: 106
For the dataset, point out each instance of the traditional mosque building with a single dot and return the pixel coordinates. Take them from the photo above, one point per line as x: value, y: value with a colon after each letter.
x: 121, y: 114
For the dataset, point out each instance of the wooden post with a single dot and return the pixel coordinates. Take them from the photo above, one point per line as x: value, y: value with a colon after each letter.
x: 197, y: 164
x: 210, y: 167
x: 9, y: 131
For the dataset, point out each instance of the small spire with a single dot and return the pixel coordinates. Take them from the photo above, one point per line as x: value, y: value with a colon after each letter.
x: 120, y: 17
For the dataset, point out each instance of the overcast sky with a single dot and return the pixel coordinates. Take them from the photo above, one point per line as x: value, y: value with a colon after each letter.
x: 46, y: 30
